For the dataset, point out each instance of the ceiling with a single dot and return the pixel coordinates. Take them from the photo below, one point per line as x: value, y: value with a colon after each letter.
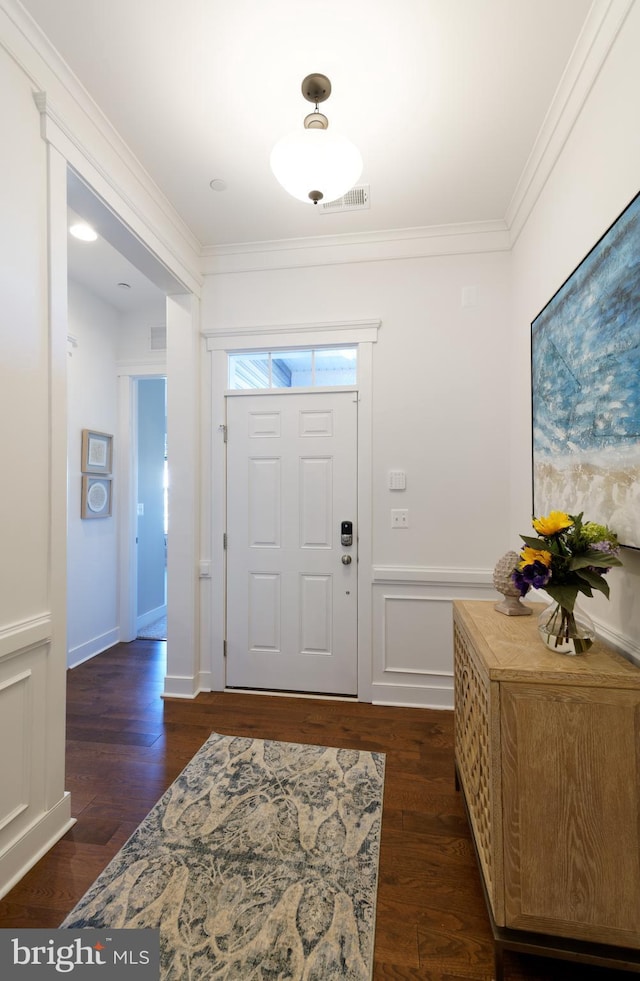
x: 444, y: 98
x: 101, y: 268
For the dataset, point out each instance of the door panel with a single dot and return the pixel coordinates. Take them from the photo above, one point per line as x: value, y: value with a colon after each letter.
x: 291, y: 602
x: 264, y: 503
x: 316, y: 504
x: 316, y: 609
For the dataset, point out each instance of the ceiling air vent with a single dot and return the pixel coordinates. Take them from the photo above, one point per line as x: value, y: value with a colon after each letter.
x: 357, y: 199
x: 158, y: 338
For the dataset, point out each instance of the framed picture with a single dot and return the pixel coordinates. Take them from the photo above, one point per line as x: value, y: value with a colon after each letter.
x: 96, y: 497
x: 97, y: 452
x: 585, y: 372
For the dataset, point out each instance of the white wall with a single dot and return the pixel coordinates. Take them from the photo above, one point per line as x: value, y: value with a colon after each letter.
x: 440, y: 413
x: 596, y: 176
x: 441, y: 394
x: 34, y: 810
x: 134, y: 339
x: 23, y: 364
x: 92, y: 557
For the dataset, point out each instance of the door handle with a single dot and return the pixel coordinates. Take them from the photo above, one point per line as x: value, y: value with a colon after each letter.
x: 346, y: 560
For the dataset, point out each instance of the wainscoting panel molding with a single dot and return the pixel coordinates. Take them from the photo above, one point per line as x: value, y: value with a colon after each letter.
x: 15, y: 716
x: 413, y: 633
x: 406, y: 647
x: 22, y: 726
x: 29, y: 822
x: 18, y: 637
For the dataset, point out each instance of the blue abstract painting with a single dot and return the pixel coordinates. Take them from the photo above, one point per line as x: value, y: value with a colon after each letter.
x: 585, y: 365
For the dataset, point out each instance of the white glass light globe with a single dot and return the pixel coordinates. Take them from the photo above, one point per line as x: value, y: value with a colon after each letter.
x: 321, y: 160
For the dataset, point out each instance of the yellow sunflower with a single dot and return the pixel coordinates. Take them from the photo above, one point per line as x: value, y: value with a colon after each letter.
x: 531, y: 555
x: 554, y: 522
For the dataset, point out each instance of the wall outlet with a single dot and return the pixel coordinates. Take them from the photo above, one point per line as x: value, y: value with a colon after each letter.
x: 399, y: 518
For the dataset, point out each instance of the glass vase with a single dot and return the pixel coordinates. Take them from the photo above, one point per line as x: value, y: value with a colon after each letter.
x: 564, y: 631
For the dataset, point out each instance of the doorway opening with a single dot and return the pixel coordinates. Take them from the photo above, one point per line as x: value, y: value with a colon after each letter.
x: 361, y: 336
x: 117, y: 316
x: 151, y: 509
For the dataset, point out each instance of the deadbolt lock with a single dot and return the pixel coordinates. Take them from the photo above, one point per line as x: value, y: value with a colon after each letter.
x: 346, y: 533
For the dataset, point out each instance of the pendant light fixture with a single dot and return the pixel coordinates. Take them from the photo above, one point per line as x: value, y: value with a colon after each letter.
x: 315, y: 164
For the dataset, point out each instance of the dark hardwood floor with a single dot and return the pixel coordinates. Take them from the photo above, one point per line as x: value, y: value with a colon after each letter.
x: 125, y: 745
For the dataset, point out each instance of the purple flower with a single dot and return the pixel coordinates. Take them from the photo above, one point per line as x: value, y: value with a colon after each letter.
x: 537, y: 575
x: 608, y: 550
x: 605, y: 547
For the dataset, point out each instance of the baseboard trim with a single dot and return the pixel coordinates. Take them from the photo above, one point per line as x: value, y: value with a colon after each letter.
x: 412, y: 696
x: 205, y: 681
x: 23, y: 854
x: 84, y: 652
x: 176, y: 686
x: 626, y: 646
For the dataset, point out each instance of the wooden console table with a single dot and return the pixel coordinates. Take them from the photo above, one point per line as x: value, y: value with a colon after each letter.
x: 547, y: 754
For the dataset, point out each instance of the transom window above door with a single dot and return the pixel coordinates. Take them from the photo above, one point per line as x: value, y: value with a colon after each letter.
x: 313, y: 368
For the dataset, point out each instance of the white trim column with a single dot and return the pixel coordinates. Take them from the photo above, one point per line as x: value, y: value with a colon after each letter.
x: 183, y: 450
x: 58, y: 326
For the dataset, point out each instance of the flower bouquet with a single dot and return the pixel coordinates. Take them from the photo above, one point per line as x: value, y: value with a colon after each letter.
x: 568, y: 557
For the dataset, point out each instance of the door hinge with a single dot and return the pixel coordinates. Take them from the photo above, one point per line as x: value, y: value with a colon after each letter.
x: 224, y: 431
x: 224, y: 648
x: 224, y: 541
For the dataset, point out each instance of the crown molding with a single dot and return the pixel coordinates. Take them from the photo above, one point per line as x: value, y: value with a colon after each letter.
x: 33, y: 53
x: 87, y: 138
x: 601, y: 27
x: 395, y: 243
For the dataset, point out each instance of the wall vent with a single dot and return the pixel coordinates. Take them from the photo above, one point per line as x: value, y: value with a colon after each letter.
x: 158, y: 338
x: 357, y: 199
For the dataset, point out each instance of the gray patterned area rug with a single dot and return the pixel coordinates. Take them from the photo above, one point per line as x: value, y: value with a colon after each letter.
x: 259, y: 862
x: 154, y: 631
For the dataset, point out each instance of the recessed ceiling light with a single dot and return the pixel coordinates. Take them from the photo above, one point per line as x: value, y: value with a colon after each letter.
x: 217, y: 184
x: 83, y: 231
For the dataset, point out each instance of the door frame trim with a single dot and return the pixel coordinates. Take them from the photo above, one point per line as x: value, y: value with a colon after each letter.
x: 364, y: 334
x: 127, y: 450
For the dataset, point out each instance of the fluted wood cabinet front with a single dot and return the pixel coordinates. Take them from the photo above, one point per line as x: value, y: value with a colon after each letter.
x: 548, y: 757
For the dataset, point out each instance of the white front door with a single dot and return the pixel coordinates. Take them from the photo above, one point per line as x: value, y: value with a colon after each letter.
x: 291, y: 582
